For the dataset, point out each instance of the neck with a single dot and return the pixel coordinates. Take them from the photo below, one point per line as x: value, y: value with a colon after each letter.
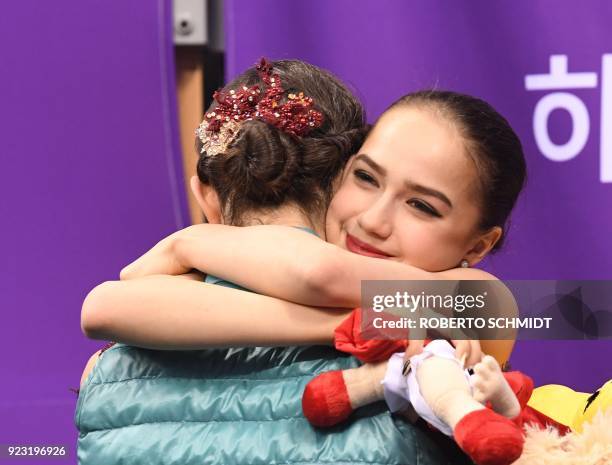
x: 285, y: 216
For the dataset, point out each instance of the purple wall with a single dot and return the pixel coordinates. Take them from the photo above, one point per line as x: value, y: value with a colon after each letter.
x: 563, y: 224
x: 90, y: 164
x: 91, y: 176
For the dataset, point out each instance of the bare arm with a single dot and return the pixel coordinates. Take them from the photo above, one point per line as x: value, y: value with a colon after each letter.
x: 290, y: 264
x: 169, y: 312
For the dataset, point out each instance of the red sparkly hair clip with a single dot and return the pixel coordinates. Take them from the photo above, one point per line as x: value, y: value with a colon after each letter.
x: 221, y: 126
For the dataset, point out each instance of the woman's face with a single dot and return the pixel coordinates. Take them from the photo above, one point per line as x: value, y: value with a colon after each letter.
x: 409, y: 195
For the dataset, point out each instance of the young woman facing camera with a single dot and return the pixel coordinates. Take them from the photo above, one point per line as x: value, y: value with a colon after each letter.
x: 426, y: 197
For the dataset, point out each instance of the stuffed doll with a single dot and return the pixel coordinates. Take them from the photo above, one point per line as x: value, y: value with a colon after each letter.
x: 588, y: 414
x: 440, y: 390
x: 569, y: 407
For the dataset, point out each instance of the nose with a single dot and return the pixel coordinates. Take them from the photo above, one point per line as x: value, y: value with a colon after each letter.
x: 377, y: 219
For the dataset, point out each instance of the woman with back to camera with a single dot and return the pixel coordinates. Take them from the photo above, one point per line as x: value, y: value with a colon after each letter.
x: 237, y: 406
x: 426, y: 170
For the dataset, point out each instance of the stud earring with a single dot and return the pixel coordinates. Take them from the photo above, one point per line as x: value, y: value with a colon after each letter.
x: 465, y: 263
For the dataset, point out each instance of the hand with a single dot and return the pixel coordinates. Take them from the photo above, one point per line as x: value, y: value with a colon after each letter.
x: 161, y: 259
x: 415, y: 347
x: 468, y: 351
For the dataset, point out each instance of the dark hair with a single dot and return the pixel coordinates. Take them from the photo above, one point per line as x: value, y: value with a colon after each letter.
x: 266, y: 167
x: 493, y: 145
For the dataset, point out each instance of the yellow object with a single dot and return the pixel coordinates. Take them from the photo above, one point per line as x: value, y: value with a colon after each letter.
x: 569, y: 407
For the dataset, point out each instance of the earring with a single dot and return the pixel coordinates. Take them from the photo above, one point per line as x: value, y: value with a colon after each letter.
x: 465, y: 263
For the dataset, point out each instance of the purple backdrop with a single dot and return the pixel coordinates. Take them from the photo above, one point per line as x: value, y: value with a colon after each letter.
x: 91, y: 176
x: 563, y: 224
x: 91, y: 169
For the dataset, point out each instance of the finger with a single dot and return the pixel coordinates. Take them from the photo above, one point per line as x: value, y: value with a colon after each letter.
x: 462, y: 350
x: 139, y: 267
x: 414, y: 347
x: 129, y: 272
x: 158, y: 260
x: 136, y: 269
x: 475, y: 353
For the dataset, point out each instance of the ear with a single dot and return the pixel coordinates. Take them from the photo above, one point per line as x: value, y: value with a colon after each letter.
x: 483, y: 245
x: 207, y: 199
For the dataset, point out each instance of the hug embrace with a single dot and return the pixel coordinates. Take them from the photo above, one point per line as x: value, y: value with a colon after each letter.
x: 238, y: 340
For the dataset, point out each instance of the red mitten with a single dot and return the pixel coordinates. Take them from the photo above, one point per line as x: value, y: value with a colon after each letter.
x: 489, y: 438
x: 348, y: 337
x: 325, y: 401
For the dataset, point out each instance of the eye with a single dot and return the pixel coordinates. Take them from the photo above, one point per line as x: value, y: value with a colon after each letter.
x: 365, y: 177
x: 424, y: 207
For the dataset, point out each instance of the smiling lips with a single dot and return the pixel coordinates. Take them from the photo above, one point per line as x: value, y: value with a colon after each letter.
x: 356, y: 246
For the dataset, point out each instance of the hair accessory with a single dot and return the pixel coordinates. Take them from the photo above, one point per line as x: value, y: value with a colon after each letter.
x: 221, y: 126
x: 465, y: 263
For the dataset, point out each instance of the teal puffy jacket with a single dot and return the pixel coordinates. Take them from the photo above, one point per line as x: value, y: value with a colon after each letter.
x: 234, y: 406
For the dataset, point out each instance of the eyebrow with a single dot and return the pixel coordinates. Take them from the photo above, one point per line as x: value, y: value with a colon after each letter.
x: 429, y: 191
x: 371, y: 163
x: 409, y: 185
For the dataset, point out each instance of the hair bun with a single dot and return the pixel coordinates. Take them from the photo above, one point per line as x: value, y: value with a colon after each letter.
x: 262, y: 160
x: 265, y: 167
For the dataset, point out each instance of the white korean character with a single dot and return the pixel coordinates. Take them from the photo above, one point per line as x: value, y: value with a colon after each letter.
x: 559, y: 78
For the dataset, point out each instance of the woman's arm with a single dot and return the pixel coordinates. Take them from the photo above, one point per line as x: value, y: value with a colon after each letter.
x: 291, y: 264
x: 281, y: 262
x: 168, y: 312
